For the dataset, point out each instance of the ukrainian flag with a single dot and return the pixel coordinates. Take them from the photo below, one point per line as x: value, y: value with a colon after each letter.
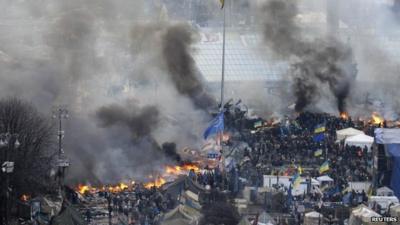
x: 318, y: 153
x: 319, y: 133
x: 324, y: 167
x: 296, y: 180
x: 319, y: 129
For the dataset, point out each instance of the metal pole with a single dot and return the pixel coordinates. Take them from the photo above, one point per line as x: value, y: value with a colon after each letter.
x: 7, y: 184
x: 326, y: 147
x: 60, y: 170
x: 223, y: 60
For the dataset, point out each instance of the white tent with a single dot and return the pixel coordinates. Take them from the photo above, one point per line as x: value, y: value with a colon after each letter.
x: 313, y: 218
x: 325, y: 178
x: 384, y: 191
x: 362, y: 215
x: 360, y: 140
x: 348, y: 132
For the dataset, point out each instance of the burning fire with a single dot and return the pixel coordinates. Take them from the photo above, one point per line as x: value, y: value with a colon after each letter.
x: 344, y: 115
x: 169, y: 171
x: 181, y: 170
x: 82, y: 189
x: 25, y: 197
x: 118, y: 188
x: 172, y: 171
x: 376, y: 118
x: 157, y: 183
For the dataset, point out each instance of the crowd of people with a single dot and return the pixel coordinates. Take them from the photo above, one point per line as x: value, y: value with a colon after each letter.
x: 282, y: 148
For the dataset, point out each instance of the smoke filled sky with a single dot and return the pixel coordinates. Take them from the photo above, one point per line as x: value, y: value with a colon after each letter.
x: 126, y: 71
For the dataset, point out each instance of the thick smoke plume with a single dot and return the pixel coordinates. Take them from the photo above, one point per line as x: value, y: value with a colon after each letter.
x: 177, y: 52
x: 315, y: 62
x: 169, y: 149
x: 139, y: 121
x: 83, y: 55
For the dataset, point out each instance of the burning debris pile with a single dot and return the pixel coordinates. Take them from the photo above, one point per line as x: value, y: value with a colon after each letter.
x: 170, y: 173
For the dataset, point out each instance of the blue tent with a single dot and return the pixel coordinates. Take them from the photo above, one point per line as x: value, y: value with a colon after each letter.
x: 394, y: 151
x: 391, y: 139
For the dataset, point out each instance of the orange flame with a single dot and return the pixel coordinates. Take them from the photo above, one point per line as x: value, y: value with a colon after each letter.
x: 157, y: 183
x: 376, y: 118
x: 344, y: 115
x: 169, y: 172
x: 181, y: 170
x: 82, y: 189
x: 25, y: 197
x: 118, y: 188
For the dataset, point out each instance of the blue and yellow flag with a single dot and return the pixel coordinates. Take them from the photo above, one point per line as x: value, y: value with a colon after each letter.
x: 318, y: 153
x: 216, y: 126
x: 320, y: 129
x: 222, y: 3
x: 296, y: 180
x: 319, y: 133
x: 324, y: 167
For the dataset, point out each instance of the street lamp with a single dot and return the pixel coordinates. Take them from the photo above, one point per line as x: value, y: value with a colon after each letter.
x: 62, y: 162
x: 8, y: 141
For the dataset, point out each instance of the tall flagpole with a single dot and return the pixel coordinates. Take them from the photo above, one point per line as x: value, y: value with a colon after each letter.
x: 223, y: 61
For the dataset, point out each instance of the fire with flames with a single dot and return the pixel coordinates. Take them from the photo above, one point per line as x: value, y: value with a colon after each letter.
x: 376, y: 118
x: 25, y: 197
x: 170, y: 172
x: 344, y: 115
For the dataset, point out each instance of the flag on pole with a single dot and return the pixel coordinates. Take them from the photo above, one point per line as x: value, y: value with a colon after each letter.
x: 216, y: 126
x: 296, y: 180
x: 222, y: 3
x: 319, y: 133
x: 324, y: 167
x: 320, y: 129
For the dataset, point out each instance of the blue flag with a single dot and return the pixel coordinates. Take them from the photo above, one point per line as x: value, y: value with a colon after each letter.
x: 216, y: 126
x: 289, y: 199
x: 319, y: 137
x: 319, y: 133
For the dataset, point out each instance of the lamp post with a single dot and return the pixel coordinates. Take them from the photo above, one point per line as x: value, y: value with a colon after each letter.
x: 8, y: 141
x: 62, y: 162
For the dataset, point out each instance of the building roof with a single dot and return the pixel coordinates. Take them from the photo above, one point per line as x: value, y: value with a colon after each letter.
x: 246, y: 59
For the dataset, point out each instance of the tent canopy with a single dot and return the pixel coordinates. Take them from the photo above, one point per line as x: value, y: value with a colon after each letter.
x: 348, y: 132
x: 360, y: 140
x: 362, y: 214
x: 384, y: 191
x: 325, y: 178
x: 313, y: 214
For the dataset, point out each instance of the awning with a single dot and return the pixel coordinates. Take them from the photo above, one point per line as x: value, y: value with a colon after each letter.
x: 360, y: 140
x: 348, y: 132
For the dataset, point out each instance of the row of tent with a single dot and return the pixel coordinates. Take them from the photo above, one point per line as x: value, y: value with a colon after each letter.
x: 354, y: 137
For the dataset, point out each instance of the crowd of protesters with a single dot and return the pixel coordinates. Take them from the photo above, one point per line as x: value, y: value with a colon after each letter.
x: 280, y: 149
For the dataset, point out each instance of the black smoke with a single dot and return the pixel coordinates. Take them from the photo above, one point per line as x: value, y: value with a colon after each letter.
x: 315, y: 62
x: 169, y: 149
x: 139, y: 121
x: 176, y: 49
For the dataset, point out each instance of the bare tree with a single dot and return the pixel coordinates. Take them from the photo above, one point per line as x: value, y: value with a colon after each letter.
x: 33, y: 157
